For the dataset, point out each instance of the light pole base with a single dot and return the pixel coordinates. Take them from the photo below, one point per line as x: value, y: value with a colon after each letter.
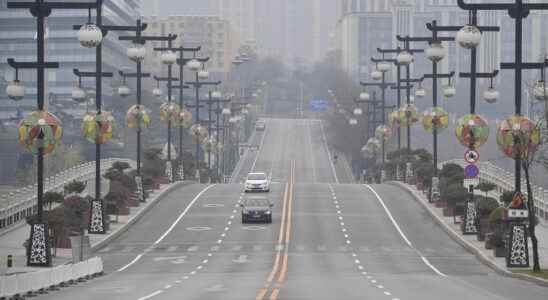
x: 181, y: 172
x: 383, y: 176
x: 38, y: 248
x: 469, y: 226
x: 518, y: 250
x: 398, y: 172
x: 169, y: 171
x: 198, y: 175
x: 97, y: 222
x: 408, y: 173
x: 434, y: 195
x: 140, y: 190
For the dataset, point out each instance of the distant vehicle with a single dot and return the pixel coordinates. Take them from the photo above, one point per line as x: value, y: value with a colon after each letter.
x: 260, y: 125
x: 256, y: 209
x: 257, y: 182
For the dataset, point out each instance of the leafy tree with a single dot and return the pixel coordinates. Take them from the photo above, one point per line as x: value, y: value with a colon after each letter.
x: 52, y: 197
x: 74, y: 187
x: 506, y: 197
x: 487, y: 205
x: 486, y: 187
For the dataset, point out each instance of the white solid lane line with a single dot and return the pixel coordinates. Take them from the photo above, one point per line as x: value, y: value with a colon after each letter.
x: 151, y: 295
x: 404, y: 237
x: 260, y: 147
x: 136, y: 259
x: 329, y: 154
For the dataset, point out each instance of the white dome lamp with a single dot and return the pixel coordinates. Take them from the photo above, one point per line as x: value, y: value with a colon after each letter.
x: 468, y: 37
x: 203, y: 74
x: 90, y: 35
x: 353, y: 121
x: 364, y: 96
x: 168, y: 57
x: 491, y: 95
x: 383, y: 66
x: 194, y: 65
x: 436, y: 52
x: 358, y: 111
x: 420, y: 92
x: 78, y: 94
x: 449, y: 90
x: 540, y: 90
x: 376, y: 75
x: 124, y: 90
x: 404, y: 58
x: 136, y: 52
x: 157, y: 92
x: 216, y: 95
x: 226, y: 112
x: 15, y: 89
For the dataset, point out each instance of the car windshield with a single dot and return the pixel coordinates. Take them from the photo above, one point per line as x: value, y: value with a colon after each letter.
x: 256, y: 176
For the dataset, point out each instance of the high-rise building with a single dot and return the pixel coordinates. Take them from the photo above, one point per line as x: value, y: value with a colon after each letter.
x: 210, y: 32
x: 17, y: 35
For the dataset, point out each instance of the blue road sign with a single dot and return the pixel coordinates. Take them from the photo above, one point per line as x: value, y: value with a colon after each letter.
x: 471, y: 171
x: 318, y: 105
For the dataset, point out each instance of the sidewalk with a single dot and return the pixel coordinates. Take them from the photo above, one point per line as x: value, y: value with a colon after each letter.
x: 478, y: 248
x: 12, y: 242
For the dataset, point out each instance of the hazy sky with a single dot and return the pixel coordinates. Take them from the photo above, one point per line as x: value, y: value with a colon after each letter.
x: 177, y: 7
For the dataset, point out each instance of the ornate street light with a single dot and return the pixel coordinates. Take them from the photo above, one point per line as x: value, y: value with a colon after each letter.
x: 420, y: 92
x: 136, y: 52
x: 226, y: 112
x: 358, y: 111
x: 468, y: 37
x: 491, y: 95
x: 216, y: 95
x: 157, y: 92
x: 404, y: 58
x: 168, y: 57
x: 353, y: 121
x: 15, y: 90
x: 436, y: 52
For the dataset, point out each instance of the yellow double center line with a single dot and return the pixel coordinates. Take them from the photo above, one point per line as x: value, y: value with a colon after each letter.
x: 285, y: 231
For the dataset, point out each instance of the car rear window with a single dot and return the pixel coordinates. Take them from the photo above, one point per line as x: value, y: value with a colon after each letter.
x: 256, y: 177
x: 256, y: 202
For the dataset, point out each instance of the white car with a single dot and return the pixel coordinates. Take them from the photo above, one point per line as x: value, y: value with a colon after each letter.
x: 257, y: 182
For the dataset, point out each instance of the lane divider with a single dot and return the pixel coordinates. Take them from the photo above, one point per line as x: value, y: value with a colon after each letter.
x: 284, y: 238
x: 404, y: 237
x: 138, y: 257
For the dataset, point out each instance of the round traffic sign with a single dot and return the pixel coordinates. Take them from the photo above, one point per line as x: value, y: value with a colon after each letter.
x: 471, y: 171
x: 471, y: 156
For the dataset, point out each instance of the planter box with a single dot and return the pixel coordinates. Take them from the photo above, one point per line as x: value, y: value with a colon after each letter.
x: 499, y: 251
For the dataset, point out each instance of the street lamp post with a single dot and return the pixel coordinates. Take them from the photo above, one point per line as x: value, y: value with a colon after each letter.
x: 181, y: 61
x: 38, y: 249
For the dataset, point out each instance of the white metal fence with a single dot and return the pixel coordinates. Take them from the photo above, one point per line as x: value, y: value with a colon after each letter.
x: 17, y: 205
x: 25, y: 284
x: 504, y: 181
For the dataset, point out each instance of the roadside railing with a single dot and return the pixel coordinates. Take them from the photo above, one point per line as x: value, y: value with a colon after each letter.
x: 504, y: 182
x: 16, y: 206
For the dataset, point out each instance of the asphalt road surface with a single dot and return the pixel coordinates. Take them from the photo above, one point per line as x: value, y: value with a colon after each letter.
x: 327, y: 241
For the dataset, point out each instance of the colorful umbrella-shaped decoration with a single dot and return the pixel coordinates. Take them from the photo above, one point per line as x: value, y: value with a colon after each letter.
x: 98, y: 128
x: 372, y: 147
x: 435, y: 118
x: 40, y: 130
x: 199, y: 133
x: 185, y: 118
x: 137, y: 117
x: 169, y: 112
x: 408, y: 115
x: 383, y: 132
x: 518, y: 137
x: 472, y: 131
x: 394, y: 119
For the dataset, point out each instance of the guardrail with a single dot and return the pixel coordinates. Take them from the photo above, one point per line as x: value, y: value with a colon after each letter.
x: 15, y: 206
x: 504, y: 182
x: 28, y: 284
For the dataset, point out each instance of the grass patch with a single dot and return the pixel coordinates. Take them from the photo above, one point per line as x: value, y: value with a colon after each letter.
x: 542, y: 274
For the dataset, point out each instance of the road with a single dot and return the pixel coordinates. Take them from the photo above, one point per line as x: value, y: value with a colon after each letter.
x: 328, y: 240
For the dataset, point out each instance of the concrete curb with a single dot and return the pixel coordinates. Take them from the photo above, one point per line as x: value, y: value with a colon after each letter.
x: 243, y: 158
x: 464, y: 243
x: 115, y: 234
x: 14, y: 227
